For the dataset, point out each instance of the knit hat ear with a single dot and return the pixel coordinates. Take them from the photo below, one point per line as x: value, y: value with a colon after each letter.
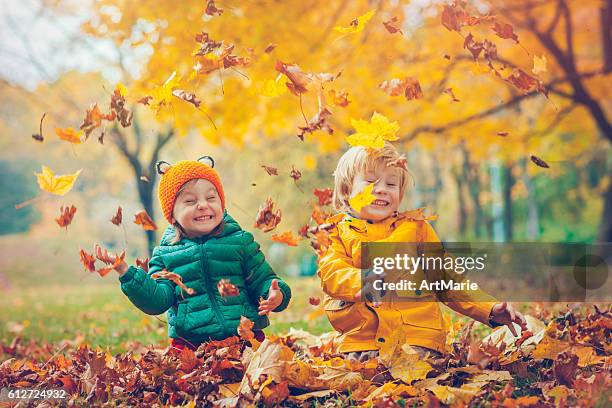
x: 207, y: 160
x: 162, y: 167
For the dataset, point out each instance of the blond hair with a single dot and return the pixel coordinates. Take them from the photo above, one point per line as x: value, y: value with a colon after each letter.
x: 179, y: 232
x: 358, y: 160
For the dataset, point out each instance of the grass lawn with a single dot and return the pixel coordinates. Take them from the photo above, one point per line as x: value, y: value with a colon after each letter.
x: 100, y: 315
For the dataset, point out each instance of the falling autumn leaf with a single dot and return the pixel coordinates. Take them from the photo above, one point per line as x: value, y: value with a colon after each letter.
x: 39, y: 136
x: 339, y: 98
x: 88, y: 261
x: 356, y: 25
x: 295, y: 174
x: 502, y: 134
x: 401, y: 162
x: 272, y: 171
x: 363, y: 198
x: 245, y: 329
x: 407, y: 86
x: 93, y: 119
x: 315, y: 301
x: 269, y: 48
x: 298, y: 80
x: 227, y: 288
x: 66, y: 215
x: 374, y: 133
x: 69, y: 135
x: 145, y: 100
x: 187, y: 97
x: 539, y: 162
x: 317, y: 122
x: 118, y: 217
x: 211, y: 9
x: 112, y: 260
x: 143, y: 263
x: 393, y: 26
x: 452, y: 94
x: 58, y: 185
x: 267, y: 216
x: 142, y: 218
x: 174, y: 277
x: 118, y: 106
x: 539, y: 64
x: 505, y: 31
x: 324, y: 195
x: 286, y: 238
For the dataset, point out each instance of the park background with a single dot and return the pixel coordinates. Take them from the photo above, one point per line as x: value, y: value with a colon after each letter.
x: 468, y: 139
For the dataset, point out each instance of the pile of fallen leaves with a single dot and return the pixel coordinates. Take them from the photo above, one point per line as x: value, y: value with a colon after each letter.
x: 563, y: 363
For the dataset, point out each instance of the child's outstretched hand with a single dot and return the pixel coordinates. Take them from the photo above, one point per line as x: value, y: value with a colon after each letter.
x: 107, y: 258
x: 275, y: 298
x: 505, y: 313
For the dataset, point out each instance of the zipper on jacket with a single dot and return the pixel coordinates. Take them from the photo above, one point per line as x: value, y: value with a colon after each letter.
x: 210, y: 290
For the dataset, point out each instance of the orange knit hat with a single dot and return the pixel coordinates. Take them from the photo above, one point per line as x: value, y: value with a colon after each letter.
x: 174, y: 176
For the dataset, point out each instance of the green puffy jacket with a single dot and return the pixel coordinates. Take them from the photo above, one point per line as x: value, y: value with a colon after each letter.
x: 202, y: 262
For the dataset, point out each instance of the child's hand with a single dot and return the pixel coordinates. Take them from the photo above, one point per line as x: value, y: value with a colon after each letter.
x: 505, y: 313
x: 275, y: 298
x: 121, y: 267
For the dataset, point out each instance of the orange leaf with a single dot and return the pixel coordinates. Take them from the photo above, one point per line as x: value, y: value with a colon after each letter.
x: 408, y: 86
x: 227, y: 288
x: 142, y: 218
x: 286, y: 238
x: 69, y: 135
x: 88, y: 261
x: 143, y: 263
x: 393, y: 26
x: 174, y: 277
x: 315, y: 301
x: 267, y: 217
x: 323, y: 195
x: 245, y: 329
x: 66, y: 215
x: 118, y: 217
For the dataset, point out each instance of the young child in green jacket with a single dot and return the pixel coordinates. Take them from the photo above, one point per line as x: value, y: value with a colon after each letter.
x: 204, y: 245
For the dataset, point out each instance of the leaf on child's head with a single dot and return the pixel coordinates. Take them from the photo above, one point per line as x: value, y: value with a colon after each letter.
x: 374, y: 133
x: 363, y: 198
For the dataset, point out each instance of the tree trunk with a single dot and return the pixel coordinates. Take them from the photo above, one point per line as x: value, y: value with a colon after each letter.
x: 459, y: 179
x: 470, y: 172
x: 605, y: 228
x: 533, y: 221
x: 508, y: 184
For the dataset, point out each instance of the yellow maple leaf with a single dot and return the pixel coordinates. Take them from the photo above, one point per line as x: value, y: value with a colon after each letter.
x: 374, y: 133
x: 58, y: 185
x: 357, y: 24
x: 539, y: 64
x: 363, y: 198
x: 69, y: 135
x: 162, y: 95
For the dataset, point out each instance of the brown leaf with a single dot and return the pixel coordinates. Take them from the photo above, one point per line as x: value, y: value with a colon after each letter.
x: 174, y: 277
x: 39, y: 136
x: 88, y: 261
x: 539, y: 162
x: 207, y: 44
x: 143, y: 263
x: 408, y: 86
x: 286, y: 238
x: 145, y: 100
x: 142, y: 218
x: 272, y: 171
x: 324, y: 195
x: 452, y: 94
x: 112, y: 260
x: 267, y: 216
x: 317, y: 122
x: 339, y: 98
x: 505, y: 31
x: 400, y: 162
x: 392, y: 26
x: 187, y: 97
x: 315, y: 301
x: 118, y: 217
x: 245, y: 329
x: 93, y: 119
x: 303, y: 231
x: 227, y: 288
x: 269, y: 48
x: 211, y: 9
x: 298, y: 80
x: 66, y: 215
x: 295, y: 174
x: 118, y: 108
x: 454, y: 17
x: 502, y: 134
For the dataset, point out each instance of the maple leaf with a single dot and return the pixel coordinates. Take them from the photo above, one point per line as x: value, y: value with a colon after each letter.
x: 454, y: 17
x: 112, y: 260
x: 187, y: 97
x: 317, y: 122
x: 227, y: 288
x: 267, y: 216
x: 117, y: 106
x: 295, y: 174
x: 143, y: 263
x: 39, y: 136
x: 539, y: 64
x: 392, y: 25
x: 298, y: 80
x: 118, y: 217
x: 539, y: 162
x: 400, y: 162
x: 373, y: 134
x: 142, y: 218
x: 211, y: 9
x: 505, y: 31
x: 58, y: 185
x: 356, y: 25
x: 93, y: 119
x: 66, y: 215
x: 323, y: 195
x: 339, y: 98
x: 315, y: 301
x: 303, y: 231
x: 286, y: 238
x: 174, y: 277
x: 207, y: 44
x: 88, y: 261
x: 69, y: 135
x: 245, y: 329
x: 363, y: 198
x: 272, y: 171
x: 407, y: 86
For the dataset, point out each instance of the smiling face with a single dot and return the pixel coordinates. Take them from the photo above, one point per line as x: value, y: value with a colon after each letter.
x: 387, y: 183
x: 198, y: 208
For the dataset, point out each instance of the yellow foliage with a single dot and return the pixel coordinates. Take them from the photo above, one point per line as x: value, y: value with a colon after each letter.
x: 58, y: 185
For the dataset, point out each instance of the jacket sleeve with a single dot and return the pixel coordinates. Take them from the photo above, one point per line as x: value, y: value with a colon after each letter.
x: 259, y: 274
x: 339, y: 278
x: 476, y: 304
x: 152, y: 296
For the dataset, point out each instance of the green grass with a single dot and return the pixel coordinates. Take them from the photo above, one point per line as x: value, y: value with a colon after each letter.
x: 102, y: 316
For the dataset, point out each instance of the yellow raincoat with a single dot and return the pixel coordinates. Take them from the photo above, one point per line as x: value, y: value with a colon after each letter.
x: 363, y: 327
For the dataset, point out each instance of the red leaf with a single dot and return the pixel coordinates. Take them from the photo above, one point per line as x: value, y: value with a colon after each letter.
x: 142, y: 218
x: 118, y: 217
x: 226, y: 288
x: 66, y: 215
x: 323, y: 195
x: 267, y: 217
x: 272, y: 171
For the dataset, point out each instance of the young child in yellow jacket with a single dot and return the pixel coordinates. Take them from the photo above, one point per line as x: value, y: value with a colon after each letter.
x: 364, y: 324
